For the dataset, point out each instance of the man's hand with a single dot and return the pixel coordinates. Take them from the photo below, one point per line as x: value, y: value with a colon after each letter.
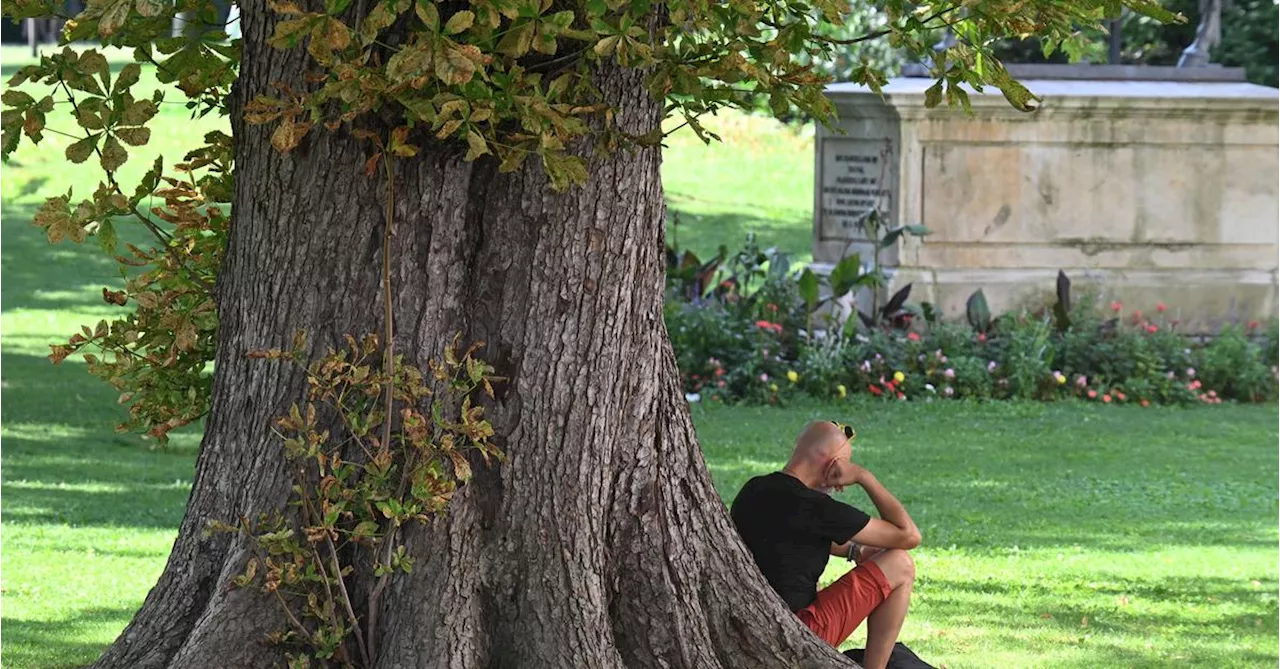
x: 841, y: 473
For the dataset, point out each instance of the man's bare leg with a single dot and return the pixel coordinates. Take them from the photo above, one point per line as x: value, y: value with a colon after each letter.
x: 885, y: 622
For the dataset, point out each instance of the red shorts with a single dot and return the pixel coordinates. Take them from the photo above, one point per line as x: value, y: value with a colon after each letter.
x: 843, y: 605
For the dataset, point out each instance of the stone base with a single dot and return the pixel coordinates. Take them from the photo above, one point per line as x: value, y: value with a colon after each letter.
x: 1201, y: 300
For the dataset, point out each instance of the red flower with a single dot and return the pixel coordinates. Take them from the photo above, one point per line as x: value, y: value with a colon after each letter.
x: 874, y: 390
x: 1120, y: 396
x: 913, y: 336
x: 901, y: 396
x: 1151, y: 329
x: 1093, y: 394
x: 1145, y: 404
x: 889, y: 385
x: 766, y: 325
x: 1117, y: 306
x: 1160, y: 306
x: 1106, y: 399
x: 982, y: 337
x: 1253, y: 325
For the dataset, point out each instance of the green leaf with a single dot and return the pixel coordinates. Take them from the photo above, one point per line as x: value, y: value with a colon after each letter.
x: 476, y: 146
x: 366, y: 528
x: 933, y: 96
x: 808, y: 285
x: 128, y: 76
x: 16, y: 98
x: 113, y: 154
x: 459, y: 22
x: 81, y: 150
x: 107, y: 236
x: 891, y: 237
x: 428, y: 14
x: 89, y: 119
x: 289, y: 34
x: 977, y: 311
x: 918, y: 230
x: 1017, y: 94
x: 563, y: 170
x: 55, y: 217
x: 517, y: 41
x: 844, y: 277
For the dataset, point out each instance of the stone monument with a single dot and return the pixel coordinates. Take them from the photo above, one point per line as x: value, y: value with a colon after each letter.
x: 1150, y: 184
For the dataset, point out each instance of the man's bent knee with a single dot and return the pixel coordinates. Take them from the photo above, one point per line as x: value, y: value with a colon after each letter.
x: 898, y: 567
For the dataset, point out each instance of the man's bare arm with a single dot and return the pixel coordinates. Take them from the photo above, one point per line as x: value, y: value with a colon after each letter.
x: 894, y: 528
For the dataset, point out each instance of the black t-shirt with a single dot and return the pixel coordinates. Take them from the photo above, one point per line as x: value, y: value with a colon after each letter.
x: 789, y: 530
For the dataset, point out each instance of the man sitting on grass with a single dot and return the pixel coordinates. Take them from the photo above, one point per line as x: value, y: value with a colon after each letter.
x: 790, y: 524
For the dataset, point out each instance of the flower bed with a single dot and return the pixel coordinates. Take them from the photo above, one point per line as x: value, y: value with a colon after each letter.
x: 755, y: 341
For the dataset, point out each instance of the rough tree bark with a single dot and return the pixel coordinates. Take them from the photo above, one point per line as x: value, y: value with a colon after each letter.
x: 601, y: 542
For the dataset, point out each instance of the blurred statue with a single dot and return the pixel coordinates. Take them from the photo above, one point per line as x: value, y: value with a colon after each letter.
x: 1208, y: 35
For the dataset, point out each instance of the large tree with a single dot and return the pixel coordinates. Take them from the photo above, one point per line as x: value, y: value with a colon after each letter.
x: 439, y: 172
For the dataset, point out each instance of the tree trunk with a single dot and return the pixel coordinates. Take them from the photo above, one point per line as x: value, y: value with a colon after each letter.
x: 601, y: 541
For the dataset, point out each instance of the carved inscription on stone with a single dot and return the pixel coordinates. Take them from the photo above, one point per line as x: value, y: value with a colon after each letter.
x: 855, y: 180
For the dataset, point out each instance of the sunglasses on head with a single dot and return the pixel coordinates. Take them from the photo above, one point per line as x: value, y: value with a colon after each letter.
x: 846, y: 429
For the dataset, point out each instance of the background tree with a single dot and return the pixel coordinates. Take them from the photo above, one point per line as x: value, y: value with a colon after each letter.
x: 440, y: 173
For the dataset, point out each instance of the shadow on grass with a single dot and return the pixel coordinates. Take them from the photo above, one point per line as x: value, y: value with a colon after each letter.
x: 27, y: 643
x: 1202, y: 637
x: 64, y: 465
x: 38, y: 275
x: 704, y: 233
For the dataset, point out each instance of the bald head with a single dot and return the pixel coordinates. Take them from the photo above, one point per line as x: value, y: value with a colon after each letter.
x: 819, y: 443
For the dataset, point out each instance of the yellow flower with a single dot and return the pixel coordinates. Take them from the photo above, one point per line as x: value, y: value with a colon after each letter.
x: 773, y: 387
x: 792, y: 376
x: 899, y: 377
x: 842, y: 390
x: 1057, y: 376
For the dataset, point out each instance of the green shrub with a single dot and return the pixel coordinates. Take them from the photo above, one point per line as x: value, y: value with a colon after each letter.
x: 970, y: 378
x: 1028, y: 359
x: 1271, y: 344
x: 1233, y: 366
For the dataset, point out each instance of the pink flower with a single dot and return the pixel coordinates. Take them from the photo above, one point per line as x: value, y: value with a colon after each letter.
x: 1106, y: 399
x: 991, y: 366
x: 1145, y: 404
x: 1151, y: 329
x: 720, y: 383
x: 1160, y: 306
x: 1117, y: 306
x: 1172, y: 376
x: 982, y: 337
x: 1137, y: 315
x: 948, y: 391
x: 1082, y: 381
x: 1191, y: 372
x: 1213, y: 393
x: 764, y: 378
x: 1093, y: 394
x: 913, y: 336
x: 866, y: 365
x: 950, y: 373
x: 1120, y: 396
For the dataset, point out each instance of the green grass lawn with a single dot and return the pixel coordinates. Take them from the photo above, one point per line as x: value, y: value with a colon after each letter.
x: 1062, y: 535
